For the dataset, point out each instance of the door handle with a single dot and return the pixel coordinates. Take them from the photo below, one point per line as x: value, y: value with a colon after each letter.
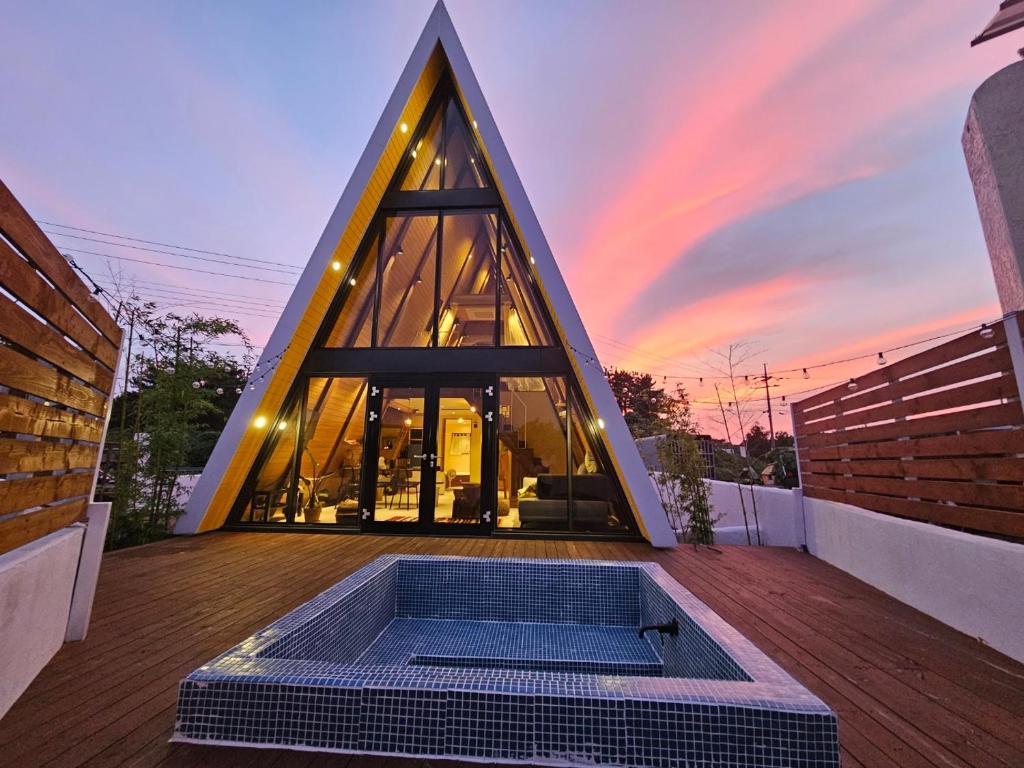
x: 430, y: 456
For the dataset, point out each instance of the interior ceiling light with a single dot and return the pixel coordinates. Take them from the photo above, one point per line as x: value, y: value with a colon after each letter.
x: 282, y: 425
x: 600, y: 423
x: 260, y: 422
x: 351, y: 281
x: 403, y: 128
x: 408, y: 422
x: 336, y: 266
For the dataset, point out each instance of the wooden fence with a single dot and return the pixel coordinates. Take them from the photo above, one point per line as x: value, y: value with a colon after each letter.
x: 936, y: 437
x: 58, y: 354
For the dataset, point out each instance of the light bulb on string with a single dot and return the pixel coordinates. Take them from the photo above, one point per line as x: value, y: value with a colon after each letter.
x: 987, y: 331
x: 852, y: 386
x: 806, y: 374
x: 881, y: 358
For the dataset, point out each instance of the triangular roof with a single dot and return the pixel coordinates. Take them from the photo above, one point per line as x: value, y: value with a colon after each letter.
x: 437, y: 48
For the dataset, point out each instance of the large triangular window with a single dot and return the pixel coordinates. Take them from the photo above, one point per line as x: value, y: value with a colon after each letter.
x: 443, y: 154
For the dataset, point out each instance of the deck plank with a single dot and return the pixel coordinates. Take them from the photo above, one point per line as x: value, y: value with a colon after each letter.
x: 908, y: 690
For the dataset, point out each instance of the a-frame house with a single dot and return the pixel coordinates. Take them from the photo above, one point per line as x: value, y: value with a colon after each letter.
x: 430, y: 372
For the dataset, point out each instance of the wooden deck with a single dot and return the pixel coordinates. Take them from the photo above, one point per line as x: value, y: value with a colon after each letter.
x: 909, y: 691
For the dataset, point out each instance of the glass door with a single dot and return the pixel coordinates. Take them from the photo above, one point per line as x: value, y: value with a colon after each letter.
x: 430, y: 463
x: 460, y: 445
x: 398, y: 421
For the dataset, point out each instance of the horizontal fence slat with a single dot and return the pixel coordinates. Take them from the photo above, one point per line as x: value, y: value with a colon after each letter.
x: 975, y: 393
x: 961, y: 346
x: 18, y: 227
x: 993, y: 441
x: 22, y: 529
x: 26, y: 417
x: 1008, y: 497
x: 972, y: 518
x: 996, y: 361
x: 18, y: 495
x: 43, y: 341
x: 994, y: 416
x: 988, y: 468
x: 23, y: 373
x: 20, y: 279
x: 41, y: 456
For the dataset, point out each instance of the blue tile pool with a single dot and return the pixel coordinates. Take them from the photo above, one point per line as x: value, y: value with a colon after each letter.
x: 535, y: 661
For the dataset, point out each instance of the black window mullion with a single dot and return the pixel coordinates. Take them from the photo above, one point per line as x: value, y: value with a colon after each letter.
x: 444, y: 142
x: 571, y: 512
x: 438, y: 255
x: 300, y: 416
x: 378, y: 288
x: 498, y: 266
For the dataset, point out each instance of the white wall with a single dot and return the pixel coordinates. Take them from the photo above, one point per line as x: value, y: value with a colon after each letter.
x: 972, y: 583
x: 36, y: 585
x: 778, y: 514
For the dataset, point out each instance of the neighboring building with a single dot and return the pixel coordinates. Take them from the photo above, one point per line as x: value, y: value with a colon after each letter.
x: 430, y: 372
x: 648, y: 447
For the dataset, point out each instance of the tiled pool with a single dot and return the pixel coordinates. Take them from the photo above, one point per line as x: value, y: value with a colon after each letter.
x: 536, y: 661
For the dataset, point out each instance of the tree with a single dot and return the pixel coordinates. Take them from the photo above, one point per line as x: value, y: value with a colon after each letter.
x: 759, y: 441
x: 683, y: 489
x: 179, y: 388
x: 743, y: 400
x: 647, y: 408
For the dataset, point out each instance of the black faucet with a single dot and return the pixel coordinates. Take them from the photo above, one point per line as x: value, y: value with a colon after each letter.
x: 671, y: 628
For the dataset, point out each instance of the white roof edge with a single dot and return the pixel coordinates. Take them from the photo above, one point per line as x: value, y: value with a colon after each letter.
x: 439, y: 27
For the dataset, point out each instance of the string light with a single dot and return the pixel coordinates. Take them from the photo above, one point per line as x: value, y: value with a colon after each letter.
x: 881, y: 359
x: 852, y: 386
x: 806, y: 374
x: 986, y: 331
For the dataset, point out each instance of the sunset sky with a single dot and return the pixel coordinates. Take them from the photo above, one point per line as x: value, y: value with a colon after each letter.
x: 786, y: 173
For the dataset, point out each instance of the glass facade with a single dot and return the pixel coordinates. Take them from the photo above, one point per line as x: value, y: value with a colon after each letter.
x: 330, y: 464
x: 425, y: 159
x: 469, y: 268
x: 271, y: 497
x: 380, y: 433
x: 463, y: 168
x: 407, y: 276
x: 522, y: 320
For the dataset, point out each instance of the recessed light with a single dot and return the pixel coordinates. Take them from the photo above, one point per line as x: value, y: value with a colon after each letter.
x: 403, y: 128
x: 336, y: 266
x: 282, y: 425
x: 260, y: 422
x: 351, y: 281
x: 600, y: 423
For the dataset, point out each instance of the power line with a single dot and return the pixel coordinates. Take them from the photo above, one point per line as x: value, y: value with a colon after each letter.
x: 203, y: 291
x: 166, y: 303
x: 155, y: 242
x: 185, y: 269
x: 801, y: 369
x: 289, y: 271
x: 242, y: 303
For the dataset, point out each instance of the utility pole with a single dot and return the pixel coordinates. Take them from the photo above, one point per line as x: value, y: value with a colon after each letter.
x: 768, y: 398
x: 725, y: 421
